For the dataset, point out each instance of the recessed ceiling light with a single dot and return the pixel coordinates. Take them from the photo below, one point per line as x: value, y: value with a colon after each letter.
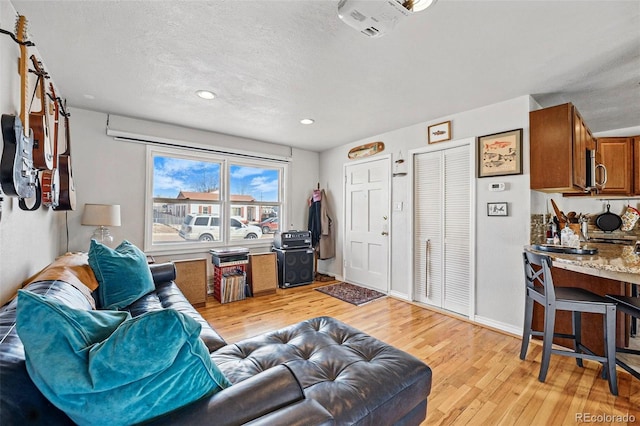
x: 307, y: 121
x: 205, y: 94
x: 90, y: 97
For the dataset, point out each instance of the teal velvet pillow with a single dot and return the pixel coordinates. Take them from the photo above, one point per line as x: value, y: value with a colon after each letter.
x: 123, y: 274
x: 104, y: 366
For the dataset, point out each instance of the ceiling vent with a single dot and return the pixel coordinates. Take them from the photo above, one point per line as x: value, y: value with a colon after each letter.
x: 372, y: 18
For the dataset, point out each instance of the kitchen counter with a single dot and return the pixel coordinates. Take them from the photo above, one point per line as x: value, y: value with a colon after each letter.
x: 613, y: 261
x: 611, y: 271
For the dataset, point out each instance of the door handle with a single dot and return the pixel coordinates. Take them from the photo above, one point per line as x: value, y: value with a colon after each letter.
x: 600, y: 185
x: 426, y: 271
x: 384, y: 233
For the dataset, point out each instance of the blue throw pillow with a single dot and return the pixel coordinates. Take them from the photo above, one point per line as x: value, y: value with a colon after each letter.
x: 123, y: 274
x: 104, y: 366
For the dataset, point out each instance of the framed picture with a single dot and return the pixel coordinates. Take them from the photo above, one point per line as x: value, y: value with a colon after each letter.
x: 497, y: 209
x: 500, y: 154
x: 439, y: 132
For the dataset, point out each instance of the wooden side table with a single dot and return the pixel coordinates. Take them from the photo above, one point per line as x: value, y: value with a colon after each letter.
x: 262, y: 273
x: 191, y: 278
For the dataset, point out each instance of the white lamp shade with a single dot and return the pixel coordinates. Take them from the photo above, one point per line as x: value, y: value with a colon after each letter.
x: 101, y: 215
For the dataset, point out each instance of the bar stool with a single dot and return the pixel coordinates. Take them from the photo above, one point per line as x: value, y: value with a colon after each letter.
x: 540, y: 289
x: 630, y: 306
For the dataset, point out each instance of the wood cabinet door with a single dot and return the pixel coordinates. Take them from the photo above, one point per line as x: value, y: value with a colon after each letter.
x: 580, y: 137
x: 636, y: 165
x: 551, y: 133
x: 617, y: 157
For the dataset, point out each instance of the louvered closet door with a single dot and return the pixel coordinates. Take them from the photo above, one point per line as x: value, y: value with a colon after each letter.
x: 442, y: 229
x: 428, y: 216
x: 456, y: 230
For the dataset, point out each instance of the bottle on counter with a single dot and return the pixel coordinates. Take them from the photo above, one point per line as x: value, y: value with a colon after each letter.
x: 550, y: 230
x: 584, y: 227
x: 556, y: 239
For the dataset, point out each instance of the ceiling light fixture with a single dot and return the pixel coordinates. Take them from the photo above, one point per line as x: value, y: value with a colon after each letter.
x: 419, y: 5
x: 376, y: 18
x: 206, y: 94
x: 307, y: 121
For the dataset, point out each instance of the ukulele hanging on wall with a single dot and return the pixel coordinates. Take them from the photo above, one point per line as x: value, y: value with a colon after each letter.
x: 51, y: 178
x: 42, y: 144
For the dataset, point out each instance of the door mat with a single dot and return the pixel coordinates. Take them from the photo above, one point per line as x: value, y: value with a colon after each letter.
x: 350, y: 293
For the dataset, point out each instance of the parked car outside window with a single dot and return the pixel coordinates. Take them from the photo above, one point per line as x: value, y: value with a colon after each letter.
x: 269, y: 225
x: 207, y: 228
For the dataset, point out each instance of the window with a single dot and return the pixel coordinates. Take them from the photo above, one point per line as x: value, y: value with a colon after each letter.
x: 209, y: 199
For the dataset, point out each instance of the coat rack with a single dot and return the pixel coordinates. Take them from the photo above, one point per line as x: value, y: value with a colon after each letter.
x: 317, y: 196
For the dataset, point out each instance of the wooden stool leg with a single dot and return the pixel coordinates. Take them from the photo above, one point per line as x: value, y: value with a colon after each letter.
x: 526, y: 332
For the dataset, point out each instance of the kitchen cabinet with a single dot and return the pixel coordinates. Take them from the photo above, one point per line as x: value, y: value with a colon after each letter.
x: 636, y: 165
x: 618, y: 157
x: 560, y: 144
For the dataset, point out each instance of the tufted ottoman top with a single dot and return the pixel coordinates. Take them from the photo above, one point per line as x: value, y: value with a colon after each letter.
x: 356, y: 377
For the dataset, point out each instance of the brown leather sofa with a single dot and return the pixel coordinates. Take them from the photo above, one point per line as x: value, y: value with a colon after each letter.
x: 316, y: 372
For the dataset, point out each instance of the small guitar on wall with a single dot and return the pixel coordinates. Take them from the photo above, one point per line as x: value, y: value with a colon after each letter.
x: 42, y: 144
x: 67, y: 200
x: 51, y: 178
x: 18, y: 178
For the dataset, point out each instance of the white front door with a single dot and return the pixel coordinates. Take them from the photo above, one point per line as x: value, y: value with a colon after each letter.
x: 367, y: 219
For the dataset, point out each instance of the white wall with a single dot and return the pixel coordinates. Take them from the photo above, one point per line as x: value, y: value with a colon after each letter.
x: 28, y: 240
x: 108, y: 171
x: 499, y: 240
x: 104, y: 171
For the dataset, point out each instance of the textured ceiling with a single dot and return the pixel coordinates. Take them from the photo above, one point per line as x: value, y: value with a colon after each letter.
x: 274, y: 62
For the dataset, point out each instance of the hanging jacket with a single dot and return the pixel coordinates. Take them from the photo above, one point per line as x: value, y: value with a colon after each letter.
x: 327, y: 248
x: 314, y: 222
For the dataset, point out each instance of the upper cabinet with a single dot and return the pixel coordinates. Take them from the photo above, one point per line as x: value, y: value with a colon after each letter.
x: 636, y: 165
x: 561, y: 149
x: 617, y: 155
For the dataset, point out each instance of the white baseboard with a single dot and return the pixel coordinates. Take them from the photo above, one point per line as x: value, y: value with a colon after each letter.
x: 507, y: 328
x: 399, y: 295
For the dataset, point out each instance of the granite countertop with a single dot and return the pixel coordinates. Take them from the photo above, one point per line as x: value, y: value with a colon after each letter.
x: 612, y: 258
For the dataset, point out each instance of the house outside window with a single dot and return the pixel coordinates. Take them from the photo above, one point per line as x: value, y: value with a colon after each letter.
x: 202, y: 200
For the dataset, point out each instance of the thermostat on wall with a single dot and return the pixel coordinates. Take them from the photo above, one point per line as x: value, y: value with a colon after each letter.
x: 499, y: 186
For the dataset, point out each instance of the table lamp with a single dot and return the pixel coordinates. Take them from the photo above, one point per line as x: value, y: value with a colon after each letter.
x: 101, y: 215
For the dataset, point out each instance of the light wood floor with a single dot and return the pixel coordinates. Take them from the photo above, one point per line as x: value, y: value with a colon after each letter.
x: 478, y: 377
